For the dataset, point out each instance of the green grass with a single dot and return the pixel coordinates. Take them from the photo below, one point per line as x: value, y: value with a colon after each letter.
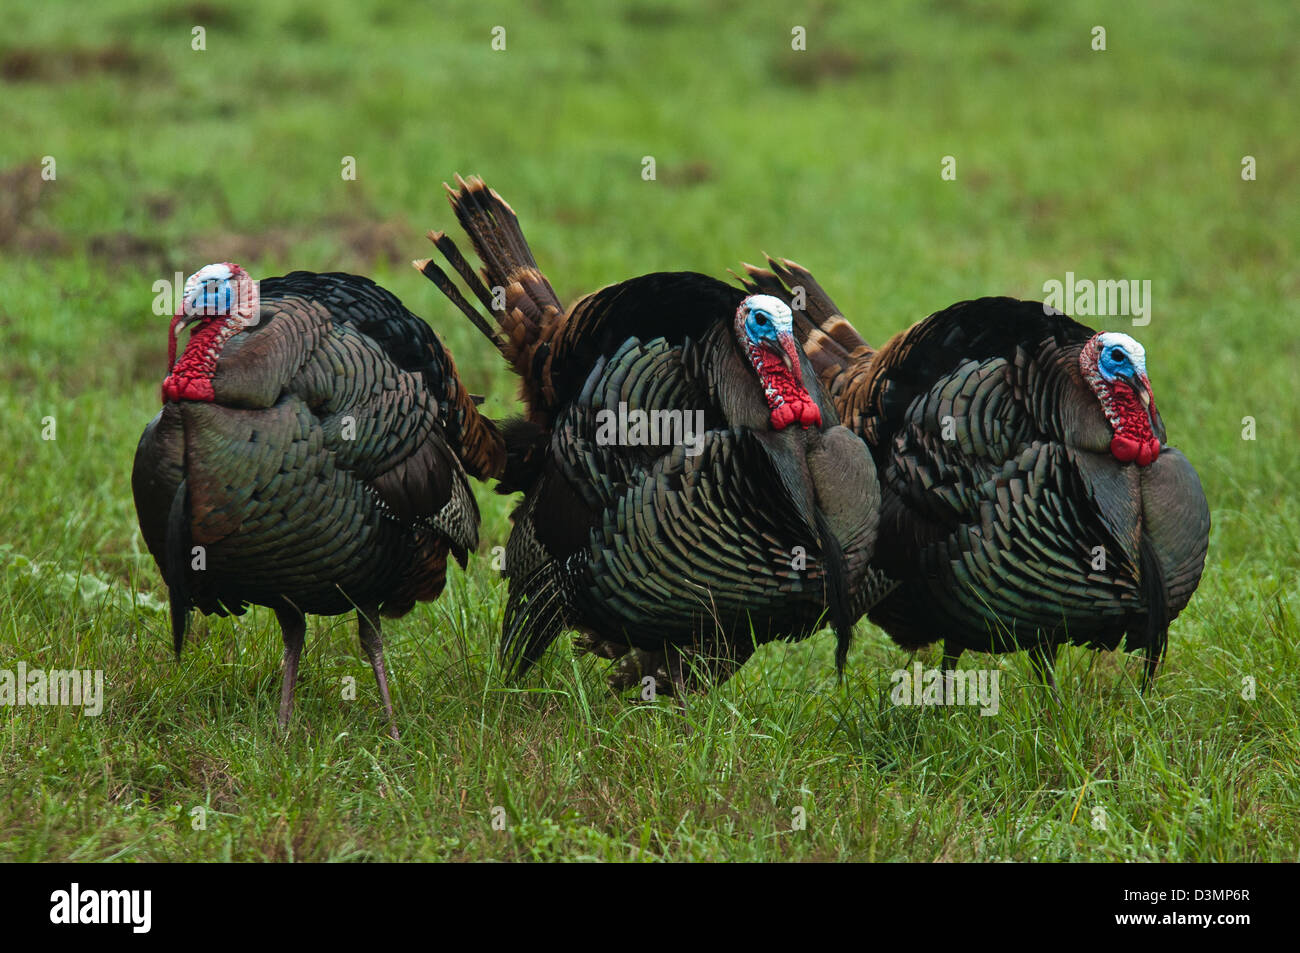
x: 1116, y: 164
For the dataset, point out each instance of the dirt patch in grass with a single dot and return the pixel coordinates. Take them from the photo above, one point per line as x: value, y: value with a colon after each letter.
x: 834, y: 64
x: 33, y: 64
x: 648, y: 15
x: 127, y: 248
x: 21, y: 187
x: 362, y: 244
x: 202, y: 13
x: 692, y: 172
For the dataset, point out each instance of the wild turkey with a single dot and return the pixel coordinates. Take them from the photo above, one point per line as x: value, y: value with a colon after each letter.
x: 675, y: 557
x: 1028, y: 492
x: 310, y: 456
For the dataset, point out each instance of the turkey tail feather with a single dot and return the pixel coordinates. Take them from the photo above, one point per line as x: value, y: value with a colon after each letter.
x: 442, y: 241
x: 818, y: 312
x: 534, y: 618
x: 493, y: 229
x: 430, y: 270
x: 517, y: 296
x: 836, y: 351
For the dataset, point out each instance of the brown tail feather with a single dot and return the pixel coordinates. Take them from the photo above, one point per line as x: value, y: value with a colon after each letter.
x: 481, y: 445
x: 839, y: 355
x: 522, y: 303
x: 493, y: 228
x: 463, y: 268
x: 532, y: 310
x: 819, y: 310
x: 430, y: 270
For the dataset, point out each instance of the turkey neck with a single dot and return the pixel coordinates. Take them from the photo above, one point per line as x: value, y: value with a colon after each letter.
x: 191, y: 377
x: 786, y: 394
x: 737, y: 388
x: 734, y: 382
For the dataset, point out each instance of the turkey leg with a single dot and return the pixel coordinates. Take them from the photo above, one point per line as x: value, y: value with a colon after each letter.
x: 372, y: 640
x: 293, y: 626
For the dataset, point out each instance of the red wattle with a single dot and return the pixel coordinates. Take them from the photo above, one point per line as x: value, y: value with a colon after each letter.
x: 1124, y: 448
x: 1133, y: 441
x: 171, y: 342
x: 786, y: 396
x: 191, y: 377
x: 188, y: 388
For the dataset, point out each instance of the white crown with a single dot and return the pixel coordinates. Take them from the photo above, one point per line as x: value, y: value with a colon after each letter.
x: 1137, y: 354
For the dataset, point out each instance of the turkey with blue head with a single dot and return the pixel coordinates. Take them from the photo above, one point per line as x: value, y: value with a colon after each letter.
x: 1029, y: 494
x: 311, y: 456
x: 688, y: 491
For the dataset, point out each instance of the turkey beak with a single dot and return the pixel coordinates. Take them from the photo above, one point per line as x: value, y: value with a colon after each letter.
x: 1141, y: 385
x: 789, y: 354
x: 1148, y: 398
x: 186, y: 316
x: 193, y: 309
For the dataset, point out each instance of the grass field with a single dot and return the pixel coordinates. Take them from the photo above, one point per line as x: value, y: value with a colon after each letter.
x: 1123, y: 163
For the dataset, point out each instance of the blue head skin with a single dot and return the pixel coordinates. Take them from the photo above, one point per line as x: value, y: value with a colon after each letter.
x: 1121, y: 358
x: 210, y: 291
x: 765, y: 321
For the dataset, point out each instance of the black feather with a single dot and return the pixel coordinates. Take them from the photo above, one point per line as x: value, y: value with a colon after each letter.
x: 1154, y: 626
x: 838, y: 594
x: 176, y: 568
